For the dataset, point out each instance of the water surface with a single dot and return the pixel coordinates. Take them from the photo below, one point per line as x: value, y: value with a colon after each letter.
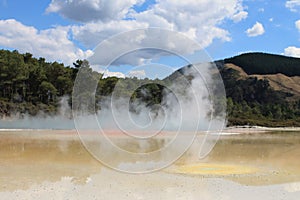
x: 55, y: 165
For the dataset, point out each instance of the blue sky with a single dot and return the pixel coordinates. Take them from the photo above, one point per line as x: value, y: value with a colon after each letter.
x: 65, y: 30
x: 279, y: 25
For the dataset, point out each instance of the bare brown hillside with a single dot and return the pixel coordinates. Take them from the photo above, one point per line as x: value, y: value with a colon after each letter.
x: 278, y: 82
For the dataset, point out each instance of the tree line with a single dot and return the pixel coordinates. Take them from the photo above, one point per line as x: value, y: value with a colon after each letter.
x: 33, y: 85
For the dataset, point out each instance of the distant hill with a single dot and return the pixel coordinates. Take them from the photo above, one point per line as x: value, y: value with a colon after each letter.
x: 262, y: 89
x: 263, y: 63
x: 278, y: 82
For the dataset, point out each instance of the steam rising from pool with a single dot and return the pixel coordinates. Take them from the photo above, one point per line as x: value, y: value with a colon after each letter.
x: 191, y: 111
x: 63, y: 120
x: 191, y: 107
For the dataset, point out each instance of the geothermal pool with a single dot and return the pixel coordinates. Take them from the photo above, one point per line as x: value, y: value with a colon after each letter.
x: 55, y: 165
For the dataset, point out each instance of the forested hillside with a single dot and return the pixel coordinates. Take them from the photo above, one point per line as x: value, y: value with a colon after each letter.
x: 34, y: 86
x: 262, y: 89
x: 30, y: 85
x: 252, y: 99
x: 263, y: 63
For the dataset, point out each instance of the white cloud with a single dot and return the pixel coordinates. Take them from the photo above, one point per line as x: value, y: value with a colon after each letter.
x: 137, y: 73
x: 101, y: 19
x: 240, y: 16
x: 293, y: 5
x: 106, y: 73
x: 141, y: 46
x: 53, y: 44
x: 192, y: 16
x: 93, y: 33
x: 92, y: 10
x: 297, y: 24
x: 271, y: 19
x: 292, y: 51
x: 113, y: 74
x: 256, y: 30
x: 196, y: 19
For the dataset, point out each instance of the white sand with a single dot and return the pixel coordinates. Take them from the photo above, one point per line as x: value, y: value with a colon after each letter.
x: 111, y: 185
x: 233, y: 130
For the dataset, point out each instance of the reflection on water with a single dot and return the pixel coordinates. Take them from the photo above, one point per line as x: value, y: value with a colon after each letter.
x: 54, y: 165
x: 27, y: 158
x: 276, y: 154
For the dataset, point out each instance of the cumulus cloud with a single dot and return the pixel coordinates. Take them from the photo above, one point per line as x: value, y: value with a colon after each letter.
x: 92, y: 10
x: 137, y: 73
x: 93, y: 33
x: 256, y: 30
x: 198, y: 20
x: 293, y: 5
x: 53, y: 44
x: 141, y: 46
x: 240, y: 16
x: 193, y: 17
x: 101, y: 19
x: 106, y: 71
x: 113, y: 74
x: 292, y: 51
x: 297, y: 24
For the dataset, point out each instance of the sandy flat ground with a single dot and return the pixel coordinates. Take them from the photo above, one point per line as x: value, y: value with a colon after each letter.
x: 258, y: 129
x: 54, y: 165
x: 112, y: 185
